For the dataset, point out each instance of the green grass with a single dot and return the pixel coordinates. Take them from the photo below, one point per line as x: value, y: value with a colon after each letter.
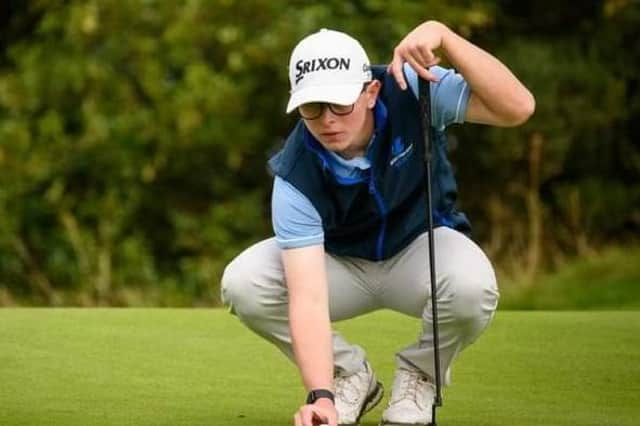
x: 609, y: 279
x: 202, y: 367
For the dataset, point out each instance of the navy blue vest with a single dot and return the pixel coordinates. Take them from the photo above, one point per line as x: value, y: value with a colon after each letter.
x: 377, y: 216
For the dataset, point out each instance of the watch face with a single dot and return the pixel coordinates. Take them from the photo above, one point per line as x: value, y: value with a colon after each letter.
x: 312, y: 397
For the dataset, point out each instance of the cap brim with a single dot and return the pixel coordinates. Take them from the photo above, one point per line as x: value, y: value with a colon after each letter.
x: 342, y: 94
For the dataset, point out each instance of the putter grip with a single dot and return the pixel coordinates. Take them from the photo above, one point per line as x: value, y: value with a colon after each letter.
x: 424, y: 97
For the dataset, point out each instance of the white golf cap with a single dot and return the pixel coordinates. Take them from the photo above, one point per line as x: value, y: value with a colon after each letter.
x: 327, y: 66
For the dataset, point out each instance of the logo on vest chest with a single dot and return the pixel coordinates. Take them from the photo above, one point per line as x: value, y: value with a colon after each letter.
x: 399, y: 153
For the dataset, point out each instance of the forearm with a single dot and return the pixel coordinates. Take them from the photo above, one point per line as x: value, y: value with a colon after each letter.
x: 312, y: 345
x: 309, y: 321
x: 495, y: 86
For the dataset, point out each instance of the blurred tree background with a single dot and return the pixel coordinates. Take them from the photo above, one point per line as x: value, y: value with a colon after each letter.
x: 134, y: 136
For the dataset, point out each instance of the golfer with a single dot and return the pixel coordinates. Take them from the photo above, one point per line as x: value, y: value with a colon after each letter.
x: 349, y: 218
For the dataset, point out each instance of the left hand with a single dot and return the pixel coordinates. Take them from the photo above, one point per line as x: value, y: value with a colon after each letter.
x: 323, y: 412
x: 416, y: 49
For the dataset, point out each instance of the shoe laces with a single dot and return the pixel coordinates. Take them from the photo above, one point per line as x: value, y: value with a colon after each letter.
x: 411, y: 385
x: 348, y: 389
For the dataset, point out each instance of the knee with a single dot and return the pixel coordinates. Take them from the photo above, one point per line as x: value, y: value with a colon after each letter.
x: 252, y: 290
x: 235, y: 287
x: 474, y: 297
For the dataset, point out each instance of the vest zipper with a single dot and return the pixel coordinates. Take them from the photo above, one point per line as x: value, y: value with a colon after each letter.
x: 383, y: 214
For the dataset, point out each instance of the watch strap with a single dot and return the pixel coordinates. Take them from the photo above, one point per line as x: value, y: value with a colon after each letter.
x: 316, y: 394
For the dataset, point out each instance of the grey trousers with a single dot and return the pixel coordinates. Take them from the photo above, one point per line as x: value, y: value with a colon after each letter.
x: 253, y: 288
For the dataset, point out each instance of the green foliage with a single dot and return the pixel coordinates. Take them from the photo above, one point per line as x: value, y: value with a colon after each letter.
x: 134, y: 135
x: 609, y: 279
x: 126, y: 139
x: 573, y: 168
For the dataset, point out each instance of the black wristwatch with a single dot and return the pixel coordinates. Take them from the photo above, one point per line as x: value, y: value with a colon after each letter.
x: 316, y: 394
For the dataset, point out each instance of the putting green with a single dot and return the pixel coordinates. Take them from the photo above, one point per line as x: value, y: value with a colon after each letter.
x: 202, y: 367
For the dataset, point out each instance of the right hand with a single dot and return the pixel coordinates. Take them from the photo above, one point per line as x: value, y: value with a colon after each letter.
x: 418, y: 50
x: 323, y: 412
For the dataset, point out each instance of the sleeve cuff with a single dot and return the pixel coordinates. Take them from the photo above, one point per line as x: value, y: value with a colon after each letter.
x: 463, y: 102
x: 300, y: 242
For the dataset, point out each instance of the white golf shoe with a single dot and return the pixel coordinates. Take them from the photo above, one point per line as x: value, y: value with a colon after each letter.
x: 411, y: 401
x: 356, y: 394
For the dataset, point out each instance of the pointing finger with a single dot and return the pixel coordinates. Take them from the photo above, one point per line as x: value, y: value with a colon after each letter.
x: 421, y: 71
x: 395, y: 68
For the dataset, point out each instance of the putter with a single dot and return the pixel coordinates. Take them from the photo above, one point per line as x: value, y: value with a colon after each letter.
x: 425, y: 123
